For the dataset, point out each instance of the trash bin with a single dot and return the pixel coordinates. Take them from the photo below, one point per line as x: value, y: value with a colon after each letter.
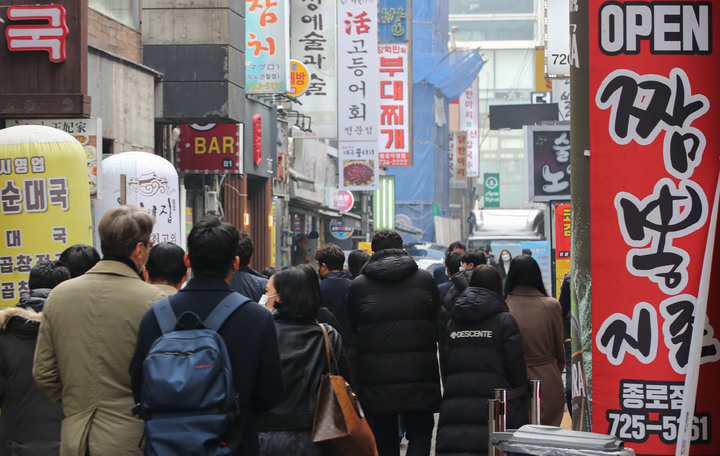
x: 539, y: 440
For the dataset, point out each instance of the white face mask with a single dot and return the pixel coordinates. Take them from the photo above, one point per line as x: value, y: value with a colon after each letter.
x: 462, y: 269
x: 505, y: 257
x: 265, y: 298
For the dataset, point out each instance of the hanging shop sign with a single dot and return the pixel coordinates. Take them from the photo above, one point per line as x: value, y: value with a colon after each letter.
x: 44, y: 202
x: 393, y: 21
x: 457, y: 153
x: 88, y: 132
x: 491, y: 189
x: 266, y: 46
x: 40, y: 28
x: 547, y: 149
x: 313, y: 43
x: 338, y: 230
x: 653, y: 179
x: 562, y: 242
x: 395, y: 121
x: 358, y: 165
x: 299, y: 78
x: 469, y: 123
x: 358, y: 75
x: 343, y: 200
x: 210, y: 148
x: 150, y: 182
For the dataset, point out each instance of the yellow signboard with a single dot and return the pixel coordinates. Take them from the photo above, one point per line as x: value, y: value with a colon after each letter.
x: 299, y: 78
x: 44, y: 202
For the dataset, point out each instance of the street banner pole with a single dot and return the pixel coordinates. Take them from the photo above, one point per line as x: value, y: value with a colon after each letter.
x: 687, y: 413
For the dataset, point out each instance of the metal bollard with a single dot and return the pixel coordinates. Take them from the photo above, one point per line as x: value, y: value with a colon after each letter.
x: 534, y: 401
x: 497, y: 409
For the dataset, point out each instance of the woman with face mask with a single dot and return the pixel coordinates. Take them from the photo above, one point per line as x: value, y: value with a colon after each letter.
x: 287, y: 428
x: 503, y: 264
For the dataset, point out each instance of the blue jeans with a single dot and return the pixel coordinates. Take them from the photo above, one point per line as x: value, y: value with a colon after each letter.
x: 418, y: 430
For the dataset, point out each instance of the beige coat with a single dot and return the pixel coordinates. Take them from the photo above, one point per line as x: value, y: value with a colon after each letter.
x: 83, y: 352
x: 540, y: 320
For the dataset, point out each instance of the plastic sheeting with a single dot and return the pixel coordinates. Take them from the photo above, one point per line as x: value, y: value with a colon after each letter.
x: 436, y: 73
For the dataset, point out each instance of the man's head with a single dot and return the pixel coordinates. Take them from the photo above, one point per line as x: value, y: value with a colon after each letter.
x: 356, y: 260
x: 301, y: 242
x: 452, y: 263
x: 125, y: 232
x: 47, y: 275
x: 473, y: 258
x: 456, y: 246
x: 212, y: 247
x: 330, y: 258
x: 79, y: 258
x: 245, y: 248
x: 386, y: 239
x: 166, y: 265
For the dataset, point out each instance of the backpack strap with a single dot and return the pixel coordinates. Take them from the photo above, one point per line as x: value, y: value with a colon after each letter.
x: 224, y: 309
x: 164, y: 315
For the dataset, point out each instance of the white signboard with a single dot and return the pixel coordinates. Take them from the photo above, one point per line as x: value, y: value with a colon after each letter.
x: 395, y: 111
x: 557, y: 38
x: 312, y: 42
x: 150, y: 182
x: 561, y: 96
x: 469, y: 114
x: 357, y: 71
x: 358, y: 165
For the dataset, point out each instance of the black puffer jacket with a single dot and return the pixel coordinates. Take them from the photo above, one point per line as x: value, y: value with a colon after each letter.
x: 393, y: 306
x: 303, y: 358
x: 460, y: 281
x: 482, y: 351
x: 30, y: 421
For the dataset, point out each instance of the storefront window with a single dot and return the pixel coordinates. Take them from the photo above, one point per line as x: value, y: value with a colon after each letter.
x: 126, y: 12
x: 490, y: 7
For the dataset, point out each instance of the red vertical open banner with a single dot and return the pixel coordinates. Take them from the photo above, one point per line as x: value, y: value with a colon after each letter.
x: 654, y: 166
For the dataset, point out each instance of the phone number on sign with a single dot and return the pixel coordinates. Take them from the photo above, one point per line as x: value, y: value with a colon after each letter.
x: 265, y: 85
x: 637, y: 428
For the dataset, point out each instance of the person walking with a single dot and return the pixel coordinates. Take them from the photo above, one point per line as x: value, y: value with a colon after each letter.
x: 482, y: 351
x: 356, y: 260
x: 247, y: 281
x: 30, y: 421
x: 393, y: 307
x: 540, y: 320
x: 88, y: 334
x: 165, y: 267
x: 287, y: 428
x: 503, y: 264
x: 249, y: 333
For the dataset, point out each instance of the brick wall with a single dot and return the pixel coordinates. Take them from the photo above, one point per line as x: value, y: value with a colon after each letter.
x: 111, y: 36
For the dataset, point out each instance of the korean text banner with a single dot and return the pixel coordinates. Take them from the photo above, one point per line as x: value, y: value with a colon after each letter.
x: 394, y: 21
x: 548, y: 151
x: 203, y: 148
x: 266, y: 46
x: 469, y: 123
x: 654, y: 166
x: 563, y: 215
x: 357, y: 71
x: 358, y: 165
x: 313, y: 43
x: 395, y: 116
x: 44, y: 201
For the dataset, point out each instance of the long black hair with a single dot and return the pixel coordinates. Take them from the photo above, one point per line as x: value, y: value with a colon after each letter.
x: 297, y: 295
x: 524, y: 270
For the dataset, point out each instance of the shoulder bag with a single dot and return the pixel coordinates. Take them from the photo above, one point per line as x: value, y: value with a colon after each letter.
x: 340, y: 426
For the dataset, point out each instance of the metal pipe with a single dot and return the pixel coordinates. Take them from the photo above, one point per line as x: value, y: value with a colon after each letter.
x: 501, y: 420
x: 493, y: 412
x: 534, y: 401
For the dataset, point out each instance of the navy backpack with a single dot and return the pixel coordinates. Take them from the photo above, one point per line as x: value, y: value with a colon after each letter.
x: 188, y: 400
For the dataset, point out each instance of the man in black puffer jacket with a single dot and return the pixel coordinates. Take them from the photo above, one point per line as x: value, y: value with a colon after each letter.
x: 393, y: 306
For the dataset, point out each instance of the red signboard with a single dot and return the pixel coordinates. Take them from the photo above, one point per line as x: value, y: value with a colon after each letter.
x: 257, y: 139
x: 654, y: 166
x: 49, y: 36
x: 204, y: 148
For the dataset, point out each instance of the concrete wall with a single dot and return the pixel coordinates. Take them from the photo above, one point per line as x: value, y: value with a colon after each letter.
x: 199, y: 47
x: 123, y: 96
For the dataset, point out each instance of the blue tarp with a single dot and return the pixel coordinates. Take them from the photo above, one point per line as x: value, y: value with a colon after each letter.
x: 436, y: 74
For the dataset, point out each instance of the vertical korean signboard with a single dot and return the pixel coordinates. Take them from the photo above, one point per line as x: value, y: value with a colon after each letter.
x: 357, y: 70
x: 313, y: 43
x: 266, y: 46
x: 548, y: 153
x: 44, y: 202
x: 469, y: 114
x: 395, y: 110
x: 653, y: 175
x: 562, y: 243
x: 458, y: 159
